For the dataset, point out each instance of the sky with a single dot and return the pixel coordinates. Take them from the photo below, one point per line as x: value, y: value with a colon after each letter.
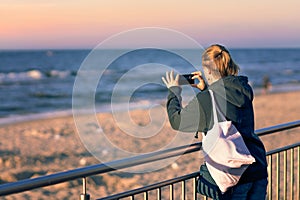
x: 73, y: 24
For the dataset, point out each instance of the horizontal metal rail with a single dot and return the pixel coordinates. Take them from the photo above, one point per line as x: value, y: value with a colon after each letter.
x: 283, y: 148
x: 56, y: 178
x: 158, y: 185
x: 42, y: 181
x: 277, y: 128
x: 151, y: 187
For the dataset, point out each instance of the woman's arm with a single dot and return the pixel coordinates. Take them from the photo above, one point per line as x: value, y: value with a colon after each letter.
x: 191, y: 118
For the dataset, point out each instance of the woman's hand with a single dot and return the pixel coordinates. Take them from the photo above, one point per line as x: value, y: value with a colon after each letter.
x: 201, y: 85
x: 169, y: 81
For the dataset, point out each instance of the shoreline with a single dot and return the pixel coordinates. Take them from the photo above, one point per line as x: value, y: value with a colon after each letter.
x: 295, y: 87
x: 16, y: 119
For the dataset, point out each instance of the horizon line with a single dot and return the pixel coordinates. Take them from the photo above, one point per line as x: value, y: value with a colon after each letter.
x: 86, y: 48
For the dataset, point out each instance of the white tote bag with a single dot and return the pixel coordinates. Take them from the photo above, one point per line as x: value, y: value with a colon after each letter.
x: 226, y: 155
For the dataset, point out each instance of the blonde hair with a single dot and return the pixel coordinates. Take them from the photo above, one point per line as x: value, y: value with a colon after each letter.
x: 221, y: 57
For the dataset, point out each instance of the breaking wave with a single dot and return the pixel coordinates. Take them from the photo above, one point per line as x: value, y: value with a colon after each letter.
x: 33, y: 75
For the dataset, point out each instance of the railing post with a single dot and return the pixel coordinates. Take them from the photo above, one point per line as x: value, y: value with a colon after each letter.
x: 278, y: 175
x: 285, y: 175
x: 298, y: 172
x: 171, y: 192
x: 145, y: 195
x: 292, y: 175
x: 84, y: 195
x: 195, y: 188
x: 183, y: 190
x: 159, y: 193
x: 270, y: 165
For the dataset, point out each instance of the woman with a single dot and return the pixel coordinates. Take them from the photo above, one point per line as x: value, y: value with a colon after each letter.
x: 234, y: 96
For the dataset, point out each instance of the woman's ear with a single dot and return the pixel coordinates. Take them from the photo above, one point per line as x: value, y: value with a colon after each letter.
x: 209, y: 71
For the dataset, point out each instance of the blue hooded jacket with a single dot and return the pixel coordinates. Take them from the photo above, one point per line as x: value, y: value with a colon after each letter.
x: 234, y: 97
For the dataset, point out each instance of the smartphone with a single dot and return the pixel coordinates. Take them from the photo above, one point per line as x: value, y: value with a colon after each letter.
x: 186, y: 79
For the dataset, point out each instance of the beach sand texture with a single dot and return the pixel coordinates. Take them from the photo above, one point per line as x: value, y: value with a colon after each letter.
x: 45, y: 146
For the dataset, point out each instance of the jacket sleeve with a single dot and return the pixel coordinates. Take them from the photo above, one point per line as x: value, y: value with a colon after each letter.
x: 191, y: 118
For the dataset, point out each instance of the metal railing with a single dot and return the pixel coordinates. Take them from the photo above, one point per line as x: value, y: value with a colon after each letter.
x: 293, y: 192
x: 278, y: 189
x: 158, y: 188
x: 52, y: 179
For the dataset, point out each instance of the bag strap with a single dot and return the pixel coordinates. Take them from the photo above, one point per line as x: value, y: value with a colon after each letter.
x: 216, y: 109
x: 213, y: 106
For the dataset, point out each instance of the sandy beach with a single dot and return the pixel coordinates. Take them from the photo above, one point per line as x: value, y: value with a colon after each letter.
x: 45, y: 146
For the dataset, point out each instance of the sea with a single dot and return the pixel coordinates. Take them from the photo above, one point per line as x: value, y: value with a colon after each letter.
x: 40, y: 83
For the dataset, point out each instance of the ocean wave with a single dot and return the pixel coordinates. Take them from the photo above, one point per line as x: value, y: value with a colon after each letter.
x: 21, y: 76
x: 60, y: 74
x: 33, y: 75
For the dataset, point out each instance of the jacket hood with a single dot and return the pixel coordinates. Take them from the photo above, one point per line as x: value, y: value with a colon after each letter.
x: 234, y: 89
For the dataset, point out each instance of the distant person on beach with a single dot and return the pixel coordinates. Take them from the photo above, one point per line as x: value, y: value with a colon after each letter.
x: 233, y: 91
x: 267, y: 85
